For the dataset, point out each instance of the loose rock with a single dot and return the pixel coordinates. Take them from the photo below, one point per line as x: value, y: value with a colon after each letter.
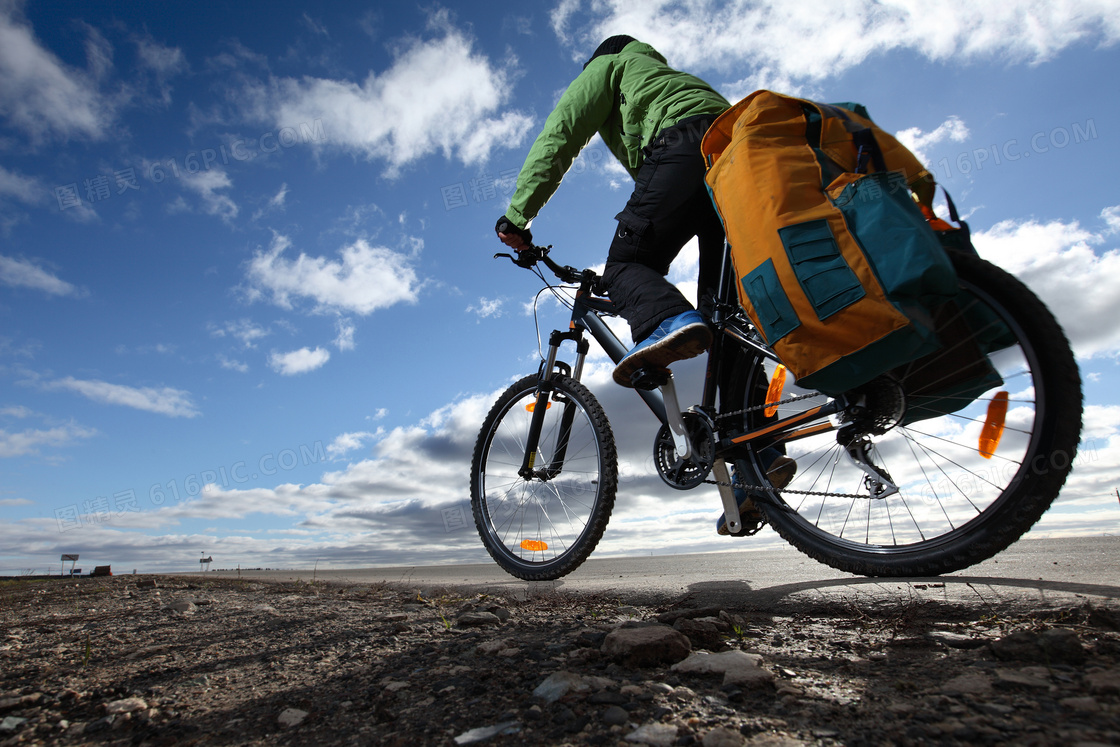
x: 646, y: 646
x: 656, y: 735
x: 290, y: 718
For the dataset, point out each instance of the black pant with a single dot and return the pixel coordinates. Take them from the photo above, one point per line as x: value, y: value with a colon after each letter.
x: 669, y: 206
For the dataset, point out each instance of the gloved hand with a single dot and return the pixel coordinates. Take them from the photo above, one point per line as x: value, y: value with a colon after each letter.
x: 511, y: 235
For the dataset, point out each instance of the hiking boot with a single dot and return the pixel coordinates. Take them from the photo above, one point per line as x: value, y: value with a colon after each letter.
x: 779, y: 473
x: 677, y: 338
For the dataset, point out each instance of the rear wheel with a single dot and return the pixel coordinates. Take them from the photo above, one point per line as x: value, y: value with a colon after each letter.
x: 977, y: 452
x: 544, y: 526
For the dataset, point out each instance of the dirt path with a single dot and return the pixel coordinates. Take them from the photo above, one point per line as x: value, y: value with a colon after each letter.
x: 145, y: 660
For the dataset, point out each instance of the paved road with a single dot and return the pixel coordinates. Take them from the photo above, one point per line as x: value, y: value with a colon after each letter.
x: 1039, y: 573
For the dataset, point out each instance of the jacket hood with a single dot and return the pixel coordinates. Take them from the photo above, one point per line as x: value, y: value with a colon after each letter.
x: 616, y: 44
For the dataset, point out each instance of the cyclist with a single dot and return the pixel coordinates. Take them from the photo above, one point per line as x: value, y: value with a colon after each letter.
x: 652, y: 118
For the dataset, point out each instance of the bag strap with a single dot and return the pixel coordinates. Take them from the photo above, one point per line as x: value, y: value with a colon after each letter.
x: 867, y: 147
x: 966, y: 232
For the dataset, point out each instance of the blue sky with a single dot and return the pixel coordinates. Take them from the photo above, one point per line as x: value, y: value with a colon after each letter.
x: 247, y: 304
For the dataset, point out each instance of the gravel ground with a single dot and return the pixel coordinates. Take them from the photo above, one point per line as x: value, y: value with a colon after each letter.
x: 166, y: 660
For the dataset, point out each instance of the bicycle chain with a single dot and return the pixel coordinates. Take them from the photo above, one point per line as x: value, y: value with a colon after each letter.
x: 744, y: 411
x: 770, y: 489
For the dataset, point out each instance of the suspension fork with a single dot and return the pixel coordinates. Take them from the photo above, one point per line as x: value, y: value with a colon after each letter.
x: 545, y: 389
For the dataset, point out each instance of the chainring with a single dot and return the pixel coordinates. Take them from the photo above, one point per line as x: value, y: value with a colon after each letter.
x: 685, y: 474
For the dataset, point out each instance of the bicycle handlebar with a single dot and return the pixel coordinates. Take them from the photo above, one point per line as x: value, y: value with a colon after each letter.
x: 531, y: 254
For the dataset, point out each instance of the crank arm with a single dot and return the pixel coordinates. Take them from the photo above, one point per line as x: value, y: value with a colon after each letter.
x: 674, y: 419
x: 727, y: 496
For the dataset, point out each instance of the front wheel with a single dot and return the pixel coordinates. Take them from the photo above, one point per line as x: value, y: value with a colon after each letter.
x: 541, y: 525
x: 977, y: 443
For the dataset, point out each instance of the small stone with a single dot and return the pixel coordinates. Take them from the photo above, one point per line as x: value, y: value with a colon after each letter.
x: 1086, y: 703
x: 482, y: 733
x: 646, y: 645
x: 700, y: 633
x: 291, y: 717
x: 146, y: 583
x: 967, y: 684
x: 682, y: 694
x: 957, y: 640
x: 1054, y: 646
x: 392, y: 617
x: 499, y: 612
x: 615, y: 716
x: 1023, y: 679
x: 656, y: 735
x: 11, y: 724
x: 1104, y: 683
x: 477, y: 619
x: 396, y: 686
x: 22, y: 701
x: 559, y: 684
x: 721, y: 736
x: 668, y: 618
x: 737, y: 667
x: 128, y: 705
x: 492, y: 647
x: 182, y: 606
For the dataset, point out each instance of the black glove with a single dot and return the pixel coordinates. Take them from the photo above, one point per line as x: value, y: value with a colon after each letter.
x: 505, y: 225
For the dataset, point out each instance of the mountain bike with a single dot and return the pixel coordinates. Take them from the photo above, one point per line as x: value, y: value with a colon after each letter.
x: 929, y: 468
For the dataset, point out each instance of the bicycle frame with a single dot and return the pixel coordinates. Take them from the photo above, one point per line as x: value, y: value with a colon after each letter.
x: 587, y: 317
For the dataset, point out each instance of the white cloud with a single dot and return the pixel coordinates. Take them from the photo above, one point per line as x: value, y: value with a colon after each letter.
x: 233, y: 364
x: 278, y: 199
x: 917, y: 141
x: 486, y: 307
x: 1058, y: 262
x: 1111, y: 217
x: 163, y: 60
x: 438, y: 96
x: 245, y: 330
x: 348, y: 442
x: 30, y: 441
x: 796, y: 40
x: 174, y: 403
x: 560, y: 17
x: 21, y: 273
x: 299, y: 361
x: 26, y: 189
x: 43, y: 96
x: 363, y: 279
x: 345, y: 339
x: 207, y: 184
x: 16, y: 411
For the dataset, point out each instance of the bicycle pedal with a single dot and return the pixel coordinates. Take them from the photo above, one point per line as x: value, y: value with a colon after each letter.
x: 650, y: 377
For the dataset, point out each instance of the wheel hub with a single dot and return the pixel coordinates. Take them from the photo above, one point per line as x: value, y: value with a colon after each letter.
x: 879, y: 406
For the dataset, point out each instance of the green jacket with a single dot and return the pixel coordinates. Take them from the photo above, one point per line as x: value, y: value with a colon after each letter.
x: 628, y: 98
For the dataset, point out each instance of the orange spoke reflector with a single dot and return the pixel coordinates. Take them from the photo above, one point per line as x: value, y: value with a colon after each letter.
x: 534, y: 545
x: 533, y: 405
x: 774, y: 393
x: 993, y: 425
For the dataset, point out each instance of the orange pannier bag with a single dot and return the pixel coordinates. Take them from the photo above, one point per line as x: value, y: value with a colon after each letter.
x: 837, y: 266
